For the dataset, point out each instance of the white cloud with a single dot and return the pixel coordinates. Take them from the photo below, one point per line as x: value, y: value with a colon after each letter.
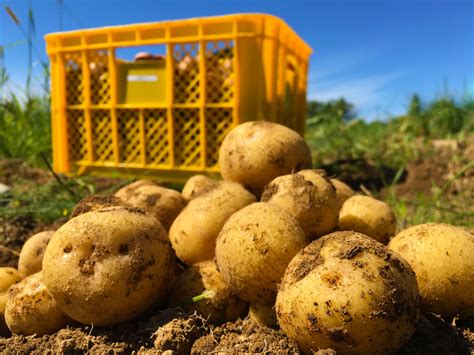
x: 368, y: 94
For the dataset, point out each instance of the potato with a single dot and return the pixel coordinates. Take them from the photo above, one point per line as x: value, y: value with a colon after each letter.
x: 254, y: 153
x: 162, y: 203
x: 347, y: 292
x: 31, y: 309
x: 309, y: 197
x: 129, y: 190
x: 197, y: 185
x: 218, y: 304
x: 96, y: 202
x: 8, y: 277
x: 343, y: 191
x: 31, y: 255
x: 194, y: 232
x: 263, y: 314
x: 442, y: 257
x: 368, y: 216
x: 253, y: 249
x: 108, y: 266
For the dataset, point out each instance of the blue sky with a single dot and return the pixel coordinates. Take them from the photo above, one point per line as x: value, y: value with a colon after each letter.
x: 373, y: 53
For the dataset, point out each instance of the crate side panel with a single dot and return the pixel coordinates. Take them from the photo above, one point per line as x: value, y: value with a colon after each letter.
x: 220, y: 79
x: 187, y: 148
x: 218, y: 124
x: 157, y: 148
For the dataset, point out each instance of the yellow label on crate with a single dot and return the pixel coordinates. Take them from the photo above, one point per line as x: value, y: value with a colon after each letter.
x: 142, y: 82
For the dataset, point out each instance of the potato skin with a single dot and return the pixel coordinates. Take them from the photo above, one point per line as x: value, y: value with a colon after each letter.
x: 368, y: 216
x: 343, y: 191
x: 442, y: 257
x: 162, y: 203
x: 129, y: 190
x: 253, y: 249
x: 263, y: 314
x: 108, y: 266
x: 254, y: 153
x: 31, y: 309
x: 194, y: 232
x: 309, y: 197
x: 349, y: 293
x: 32, y: 252
x: 96, y: 202
x: 8, y: 277
x: 223, y: 306
x: 197, y: 185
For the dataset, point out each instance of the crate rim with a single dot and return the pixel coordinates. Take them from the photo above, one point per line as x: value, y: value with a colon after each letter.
x: 167, y: 23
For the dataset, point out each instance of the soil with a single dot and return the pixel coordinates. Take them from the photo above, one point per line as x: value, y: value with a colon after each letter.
x: 174, y: 331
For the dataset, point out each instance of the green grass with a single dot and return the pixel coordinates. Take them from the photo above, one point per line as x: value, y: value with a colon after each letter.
x: 332, y: 133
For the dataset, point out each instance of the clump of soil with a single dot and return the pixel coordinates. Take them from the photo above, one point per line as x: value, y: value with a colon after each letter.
x: 244, y: 336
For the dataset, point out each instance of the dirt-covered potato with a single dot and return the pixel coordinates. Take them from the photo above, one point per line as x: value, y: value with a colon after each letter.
x: 31, y: 255
x: 129, y: 190
x: 253, y: 249
x: 31, y: 309
x: 343, y: 191
x: 254, y: 153
x: 162, y: 203
x: 309, y: 197
x: 197, y: 185
x: 213, y: 299
x: 263, y: 314
x: 8, y: 277
x: 347, y: 292
x: 108, y: 266
x: 96, y: 202
x: 442, y: 257
x: 194, y: 232
x: 368, y: 216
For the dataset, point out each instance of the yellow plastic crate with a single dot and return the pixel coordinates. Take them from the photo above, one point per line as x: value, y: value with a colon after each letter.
x: 168, y: 117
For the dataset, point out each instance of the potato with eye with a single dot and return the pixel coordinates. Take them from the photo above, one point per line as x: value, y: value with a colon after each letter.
x: 31, y: 309
x: 32, y: 252
x: 309, y: 197
x: 108, y: 266
x: 368, y: 216
x: 255, y: 153
x: 162, y: 203
x: 253, y: 249
x: 442, y: 257
x: 194, y: 232
x: 96, y: 202
x: 8, y: 277
x: 343, y: 191
x: 347, y: 292
x: 197, y: 185
x: 218, y: 303
x: 129, y: 190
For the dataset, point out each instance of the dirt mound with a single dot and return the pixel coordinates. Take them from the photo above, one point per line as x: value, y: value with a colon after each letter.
x: 244, y: 336
x: 171, y: 330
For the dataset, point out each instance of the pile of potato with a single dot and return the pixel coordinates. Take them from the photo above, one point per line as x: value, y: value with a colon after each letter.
x: 274, y: 240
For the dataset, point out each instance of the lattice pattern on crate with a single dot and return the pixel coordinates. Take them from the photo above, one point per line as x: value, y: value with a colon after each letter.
x: 76, y: 133
x: 74, y: 85
x: 187, y: 149
x: 186, y: 72
x: 102, y: 135
x: 129, y: 135
x: 218, y: 124
x: 99, y: 77
x: 220, y: 71
x: 156, y: 137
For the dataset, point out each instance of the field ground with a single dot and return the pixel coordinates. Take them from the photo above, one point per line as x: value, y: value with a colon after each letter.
x: 436, y: 187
